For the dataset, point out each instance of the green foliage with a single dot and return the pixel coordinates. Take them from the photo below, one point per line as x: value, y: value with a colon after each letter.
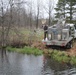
x: 10, y: 49
x: 73, y: 60
x: 63, y: 6
x: 61, y: 56
x: 60, y: 8
x: 26, y: 50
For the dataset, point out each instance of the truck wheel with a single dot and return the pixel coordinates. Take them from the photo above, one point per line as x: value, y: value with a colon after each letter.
x: 69, y: 45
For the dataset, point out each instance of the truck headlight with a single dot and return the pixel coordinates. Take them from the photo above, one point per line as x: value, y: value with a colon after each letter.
x: 59, y: 37
x: 49, y: 36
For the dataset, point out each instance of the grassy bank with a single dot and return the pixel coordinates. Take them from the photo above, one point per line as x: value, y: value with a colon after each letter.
x: 62, y: 57
x: 33, y: 39
x: 25, y: 50
x: 59, y: 56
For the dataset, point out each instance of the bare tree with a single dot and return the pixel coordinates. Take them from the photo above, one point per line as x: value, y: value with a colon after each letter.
x: 2, y: 24
x: 49, y: 9
x: 30, y: 15
x: 38, y: 12
x: 14, y: 16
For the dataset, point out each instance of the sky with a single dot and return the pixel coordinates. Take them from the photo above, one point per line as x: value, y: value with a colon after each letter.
x: 54, y: 2
x: 43, y: 6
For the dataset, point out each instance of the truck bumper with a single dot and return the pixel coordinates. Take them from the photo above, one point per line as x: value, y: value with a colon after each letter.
x: 54, y: 42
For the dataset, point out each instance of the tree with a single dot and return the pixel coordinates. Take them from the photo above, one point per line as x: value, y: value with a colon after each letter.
x: 71, y: 8
x: 38, y: 12
x: 49, y: 10
x: 2, y: 24
x: 60, y: 9
x: 65, y: 8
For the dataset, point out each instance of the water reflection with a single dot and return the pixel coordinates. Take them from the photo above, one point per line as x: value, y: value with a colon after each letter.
x: 52, y: 67
x: 19, y: 64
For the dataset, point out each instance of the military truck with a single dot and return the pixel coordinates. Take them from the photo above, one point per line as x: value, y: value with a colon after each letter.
x: 61, y: 34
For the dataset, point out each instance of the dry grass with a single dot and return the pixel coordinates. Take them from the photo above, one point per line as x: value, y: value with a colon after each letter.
x: 72, y: 51
x: 25, y: 36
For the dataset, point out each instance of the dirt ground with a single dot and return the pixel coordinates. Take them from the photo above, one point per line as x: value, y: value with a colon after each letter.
x: 72, y: 51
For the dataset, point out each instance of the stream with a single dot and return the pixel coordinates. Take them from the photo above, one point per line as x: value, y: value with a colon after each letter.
x: 22, y: 64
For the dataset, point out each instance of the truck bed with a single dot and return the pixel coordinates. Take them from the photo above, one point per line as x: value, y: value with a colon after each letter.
x: 57, y: 42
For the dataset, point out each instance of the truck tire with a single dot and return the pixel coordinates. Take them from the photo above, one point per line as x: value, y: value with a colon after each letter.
x: 69, y: 45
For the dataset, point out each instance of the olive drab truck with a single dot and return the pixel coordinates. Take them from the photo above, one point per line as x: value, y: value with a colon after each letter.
x: 61, y: 34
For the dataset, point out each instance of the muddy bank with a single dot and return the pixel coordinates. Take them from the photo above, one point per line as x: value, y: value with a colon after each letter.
x: 41, y: 46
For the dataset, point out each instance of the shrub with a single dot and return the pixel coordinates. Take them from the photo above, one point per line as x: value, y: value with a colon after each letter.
x: 26, y: 50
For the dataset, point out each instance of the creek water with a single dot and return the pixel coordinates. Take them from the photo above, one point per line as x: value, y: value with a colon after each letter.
x: 19, y: 64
